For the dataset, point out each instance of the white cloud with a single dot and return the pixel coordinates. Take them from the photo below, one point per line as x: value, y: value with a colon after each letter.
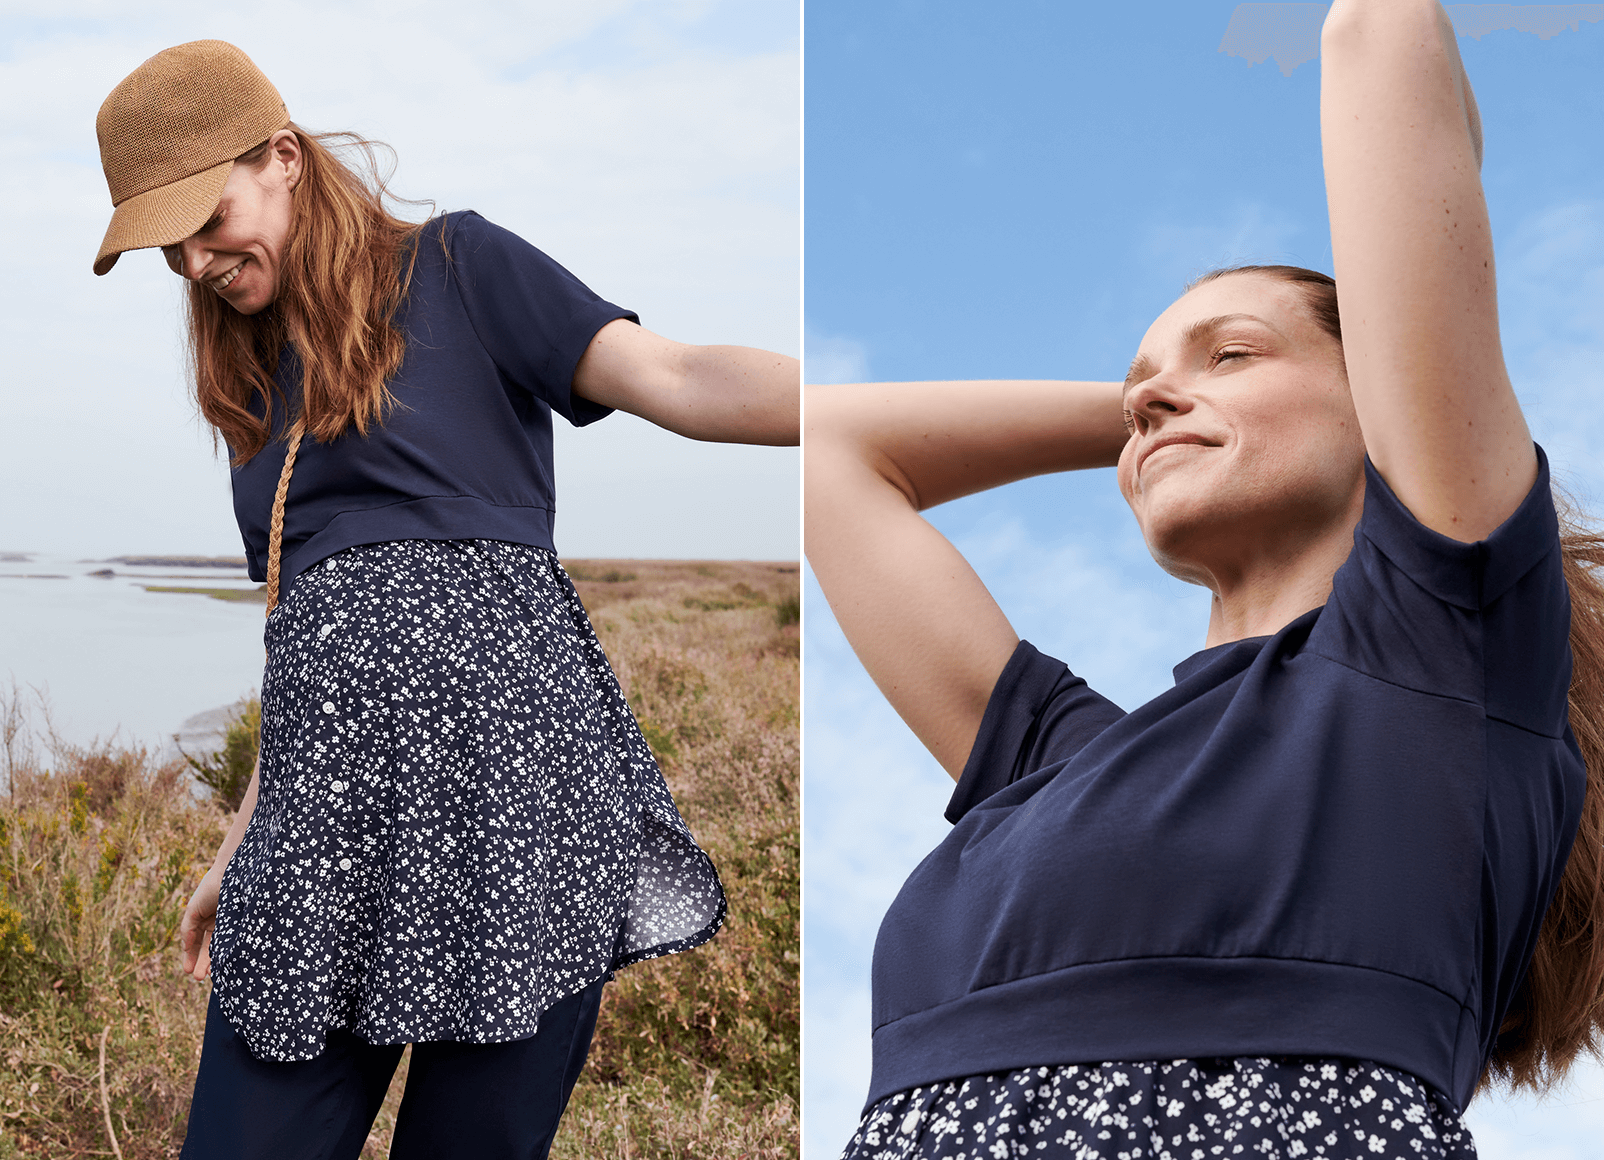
x: 834, y: 359
x: 1254, y: 232
x: 1551, y: 294
x: 623, y: 137
x: 836, y: 1076
x: 1567, y: 1125
x: 872, y: 809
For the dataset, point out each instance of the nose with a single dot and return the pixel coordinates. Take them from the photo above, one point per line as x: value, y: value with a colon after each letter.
x: 187, y: 258
x: 1154, y: 399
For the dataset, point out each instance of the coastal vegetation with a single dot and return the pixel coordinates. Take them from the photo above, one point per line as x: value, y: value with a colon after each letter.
x: 695, y: 1054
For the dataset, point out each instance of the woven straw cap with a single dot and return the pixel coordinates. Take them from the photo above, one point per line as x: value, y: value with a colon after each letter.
x: 168, y: 138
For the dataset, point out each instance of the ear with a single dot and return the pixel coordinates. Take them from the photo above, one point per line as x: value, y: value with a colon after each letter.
x: 284, y: 148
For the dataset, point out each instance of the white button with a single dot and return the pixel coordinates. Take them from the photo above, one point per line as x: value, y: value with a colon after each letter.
x: 345, y: 863
x: 325, y: 630
x: 337, y: 786
x: 329, y: 565
x: 328, y: 706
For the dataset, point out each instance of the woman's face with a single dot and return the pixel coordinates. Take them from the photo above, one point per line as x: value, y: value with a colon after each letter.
x: 1244, y: 441
x: 237, y: 251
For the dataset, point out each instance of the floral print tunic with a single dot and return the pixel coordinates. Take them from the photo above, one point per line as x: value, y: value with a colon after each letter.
x: 458, y: 821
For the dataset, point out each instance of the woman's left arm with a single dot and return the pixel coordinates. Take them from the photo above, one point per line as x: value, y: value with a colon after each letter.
x: 726, y: 394
x: 1414, y: 266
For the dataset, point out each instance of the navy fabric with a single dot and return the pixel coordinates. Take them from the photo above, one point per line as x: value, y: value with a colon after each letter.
x: 1339, y: 840
x: 466, y: 1100
x: 494, y: 331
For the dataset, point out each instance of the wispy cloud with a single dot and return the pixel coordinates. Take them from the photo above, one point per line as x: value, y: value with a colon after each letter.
x: 1551, y: 293
x: 1289, y: 34
x: 1254, y: 232
x: 831, y: 358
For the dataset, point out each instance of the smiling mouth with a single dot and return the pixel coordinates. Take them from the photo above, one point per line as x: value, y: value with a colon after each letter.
x: 1172, y: 443
x: 222, y: 283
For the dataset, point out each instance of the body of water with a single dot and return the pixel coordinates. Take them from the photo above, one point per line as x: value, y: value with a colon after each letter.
x: 113, y: 660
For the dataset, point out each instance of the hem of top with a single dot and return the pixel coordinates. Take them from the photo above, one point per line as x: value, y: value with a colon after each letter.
x: 400, y: 1039
x: 430, y: 517
x: 675, y: 946
x: 1178, y: 1007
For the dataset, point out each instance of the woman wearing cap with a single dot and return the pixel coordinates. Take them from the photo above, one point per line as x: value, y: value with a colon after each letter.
x: 1287, y: 908
x: 456, y: 831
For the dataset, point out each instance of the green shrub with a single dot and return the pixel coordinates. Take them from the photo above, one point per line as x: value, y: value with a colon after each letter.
x: 227, y: 773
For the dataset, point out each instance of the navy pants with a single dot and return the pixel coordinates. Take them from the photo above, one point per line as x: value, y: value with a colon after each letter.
x: 489, y: 1101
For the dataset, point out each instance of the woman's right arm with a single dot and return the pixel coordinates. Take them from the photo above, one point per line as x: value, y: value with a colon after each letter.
x: 916, y: 614
x: 195, y: 928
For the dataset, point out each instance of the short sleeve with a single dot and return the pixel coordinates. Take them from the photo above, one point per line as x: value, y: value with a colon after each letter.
x: 1486, y: 622
x: 1039, y: 714
x: 532, y: 316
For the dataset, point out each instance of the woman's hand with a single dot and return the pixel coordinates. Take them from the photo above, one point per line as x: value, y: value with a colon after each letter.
x: 724, y: 394
x: 200, y: 916
x: 195, y: 928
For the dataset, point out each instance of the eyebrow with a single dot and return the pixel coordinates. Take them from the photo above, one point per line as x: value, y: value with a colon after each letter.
x: 1143, y: 367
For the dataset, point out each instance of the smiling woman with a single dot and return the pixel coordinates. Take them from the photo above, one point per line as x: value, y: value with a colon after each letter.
x: 1335, y: 861
x: 456, y: 832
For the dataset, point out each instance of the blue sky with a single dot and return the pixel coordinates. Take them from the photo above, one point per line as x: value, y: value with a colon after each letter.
x: 651, y: 146
x: 1017, y: 189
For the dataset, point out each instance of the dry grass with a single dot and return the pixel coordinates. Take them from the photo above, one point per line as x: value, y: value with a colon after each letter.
x: 695, y: 1055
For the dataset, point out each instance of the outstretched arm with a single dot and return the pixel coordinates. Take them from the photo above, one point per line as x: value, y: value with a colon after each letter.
x: 1414, y: 266
x: 918, y: 617
x: 725, y: 394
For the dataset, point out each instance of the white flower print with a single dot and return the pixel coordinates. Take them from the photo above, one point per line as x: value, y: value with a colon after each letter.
x: 1171, y: 1111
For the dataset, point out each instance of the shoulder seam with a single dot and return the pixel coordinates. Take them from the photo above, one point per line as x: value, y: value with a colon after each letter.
x: 1315, y: 652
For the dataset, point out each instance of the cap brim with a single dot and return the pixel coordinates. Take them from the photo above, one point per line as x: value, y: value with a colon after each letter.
x: 162, y: 216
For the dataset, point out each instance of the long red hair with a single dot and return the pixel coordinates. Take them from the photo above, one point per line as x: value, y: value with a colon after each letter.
x: 345, y: 267
x: 1558, y: 1012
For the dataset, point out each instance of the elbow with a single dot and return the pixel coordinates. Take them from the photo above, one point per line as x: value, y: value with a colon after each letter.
x: 847, y: 448
x: 1354, y: 25
x: 828, y: 416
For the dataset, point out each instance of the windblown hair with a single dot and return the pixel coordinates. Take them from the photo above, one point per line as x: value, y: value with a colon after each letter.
x: 344, y: 269
x: 1558, y: 1012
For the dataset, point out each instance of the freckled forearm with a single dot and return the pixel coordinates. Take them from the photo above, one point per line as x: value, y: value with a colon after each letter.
x: 737, y: 394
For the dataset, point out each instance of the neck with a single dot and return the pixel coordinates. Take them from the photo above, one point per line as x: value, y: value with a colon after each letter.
x: 1265, y: 601
x: 1260, y: 592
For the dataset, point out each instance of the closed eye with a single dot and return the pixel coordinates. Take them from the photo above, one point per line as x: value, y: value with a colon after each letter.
x: 1229, y: 352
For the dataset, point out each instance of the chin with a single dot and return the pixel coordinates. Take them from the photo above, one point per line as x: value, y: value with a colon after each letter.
x: 250, y: 303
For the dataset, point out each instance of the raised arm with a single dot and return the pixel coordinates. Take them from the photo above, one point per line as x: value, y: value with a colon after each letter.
x: 1414, y: 266
x: 876, y: 455
x: 724, y: 394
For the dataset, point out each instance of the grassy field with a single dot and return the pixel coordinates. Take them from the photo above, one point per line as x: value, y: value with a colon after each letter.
x: 695, y: 1055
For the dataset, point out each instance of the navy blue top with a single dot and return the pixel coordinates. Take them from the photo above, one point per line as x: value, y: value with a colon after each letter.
x: 494, y: 331
x: 1339, y: 840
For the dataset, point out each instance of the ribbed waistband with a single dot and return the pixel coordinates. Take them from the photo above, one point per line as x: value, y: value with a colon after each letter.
x: 1185, y: 1008
x: 439, y: 517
